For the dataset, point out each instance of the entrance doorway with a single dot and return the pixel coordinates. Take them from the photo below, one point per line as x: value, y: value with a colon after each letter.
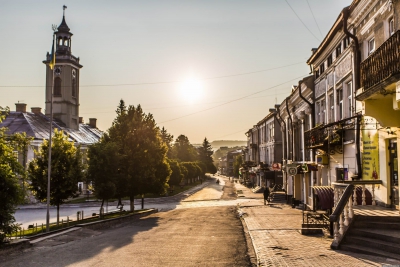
x: 394, y: 174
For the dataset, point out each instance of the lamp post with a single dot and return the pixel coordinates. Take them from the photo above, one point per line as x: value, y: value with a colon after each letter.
x: 51, y: 64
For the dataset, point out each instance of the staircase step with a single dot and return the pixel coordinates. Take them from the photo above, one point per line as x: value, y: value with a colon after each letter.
x: 369, y: 251
x: 390, y: 247
x: 385, y: 219
x: 376, y: 225
x: 377, y: 234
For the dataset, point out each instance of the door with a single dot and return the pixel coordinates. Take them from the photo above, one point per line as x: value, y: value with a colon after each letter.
x: 394, y: 174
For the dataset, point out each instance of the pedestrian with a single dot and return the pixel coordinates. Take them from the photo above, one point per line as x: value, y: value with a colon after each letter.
x: 266, y: 195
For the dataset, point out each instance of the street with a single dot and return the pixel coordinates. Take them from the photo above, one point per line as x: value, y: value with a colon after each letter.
x: 197, y: 236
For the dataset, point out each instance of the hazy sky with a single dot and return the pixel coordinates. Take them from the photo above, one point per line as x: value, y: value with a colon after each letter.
x: 181, y: 49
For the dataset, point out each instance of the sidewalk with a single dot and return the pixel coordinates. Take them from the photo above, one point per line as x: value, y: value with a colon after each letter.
x: 277, y: 241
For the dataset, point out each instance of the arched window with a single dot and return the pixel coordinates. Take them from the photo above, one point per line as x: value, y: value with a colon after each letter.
x: 57, y: 86
x: 66, y: 42
x: 73, y: 87
x: 60, y: 41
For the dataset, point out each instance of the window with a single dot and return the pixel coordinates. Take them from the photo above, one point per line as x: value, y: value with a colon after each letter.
x: 332, y: 108
x: 57, y: 86
x: 371, y: 45
x: 322, y: 68
x: 346, y: 42
x: 323, y: 111
x: 391, y: 26
x: 320, y: 110
x: 338, y: 50
x: 339, y: 97
x: 330, y: 60
x: 73, y: 88
x: 349, y: 99
x: 316, y: 74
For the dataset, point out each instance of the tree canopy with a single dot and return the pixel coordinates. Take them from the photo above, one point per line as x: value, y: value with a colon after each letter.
x: 142, y: 151
x: 205, y: 156
x: 10, y: 191
x: 183, y: 151
x: 66, y: 170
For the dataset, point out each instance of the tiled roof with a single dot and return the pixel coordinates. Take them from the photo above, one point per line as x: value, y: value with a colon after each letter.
x: 37, y: 126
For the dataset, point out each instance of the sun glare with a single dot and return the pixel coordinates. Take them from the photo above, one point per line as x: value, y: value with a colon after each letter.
x: 191, y: 90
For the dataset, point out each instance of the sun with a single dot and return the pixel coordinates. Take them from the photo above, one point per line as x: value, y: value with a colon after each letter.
x: 191, y: 90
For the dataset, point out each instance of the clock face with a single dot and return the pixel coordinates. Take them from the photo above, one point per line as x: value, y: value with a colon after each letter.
x: 73, y: 73
x: 57, y: 71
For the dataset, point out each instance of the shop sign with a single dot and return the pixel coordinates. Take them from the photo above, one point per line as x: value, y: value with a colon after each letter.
x: 291, y: 169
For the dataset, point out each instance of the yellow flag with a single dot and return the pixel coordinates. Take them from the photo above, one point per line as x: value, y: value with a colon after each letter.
x: 53, y: 57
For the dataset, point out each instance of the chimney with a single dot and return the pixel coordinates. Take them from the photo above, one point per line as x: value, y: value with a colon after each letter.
x: 313, y: 50
x: 80, y: 119
x: 92, y: 122
x: 36, y: 110
x: 20, y: 107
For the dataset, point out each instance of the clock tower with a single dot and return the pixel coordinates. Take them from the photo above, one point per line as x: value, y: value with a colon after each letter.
x: 66, y: 79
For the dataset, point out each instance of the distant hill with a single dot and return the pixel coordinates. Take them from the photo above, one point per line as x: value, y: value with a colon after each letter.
x: 227, y: 143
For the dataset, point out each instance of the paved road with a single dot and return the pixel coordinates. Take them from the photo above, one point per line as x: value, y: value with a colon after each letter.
x: 195, y: 233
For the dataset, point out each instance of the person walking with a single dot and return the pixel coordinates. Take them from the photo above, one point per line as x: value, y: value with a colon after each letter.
x: 266, y: 195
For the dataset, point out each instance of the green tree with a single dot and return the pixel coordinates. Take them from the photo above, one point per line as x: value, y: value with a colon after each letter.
x: 193, y: 171
x: 66, y: 170
x: 10, y: 192
x: 104, y: 157
x: 177, y: 174
x: 205, y: 156
x: 237, y: 164
x: 167, y: 139
x: 142, y: 150
x: 183, y: 151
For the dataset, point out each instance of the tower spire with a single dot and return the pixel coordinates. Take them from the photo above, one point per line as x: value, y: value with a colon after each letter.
x: 64, y: 8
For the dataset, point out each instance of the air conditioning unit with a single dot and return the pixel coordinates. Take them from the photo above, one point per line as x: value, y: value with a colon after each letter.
x: 322, y: 159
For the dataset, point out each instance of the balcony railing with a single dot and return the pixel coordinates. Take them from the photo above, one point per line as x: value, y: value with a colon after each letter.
x: 381, y: 64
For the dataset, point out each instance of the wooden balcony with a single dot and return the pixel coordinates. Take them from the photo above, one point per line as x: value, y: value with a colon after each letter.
x: 382, y: 64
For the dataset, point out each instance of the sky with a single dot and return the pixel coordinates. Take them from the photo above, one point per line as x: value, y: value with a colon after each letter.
x: 203, y: 68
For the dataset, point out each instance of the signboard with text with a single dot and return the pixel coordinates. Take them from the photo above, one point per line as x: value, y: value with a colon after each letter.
x: 370, y: 149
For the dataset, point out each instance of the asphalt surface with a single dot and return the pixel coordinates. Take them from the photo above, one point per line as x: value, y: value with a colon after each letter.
x: 196, y: 236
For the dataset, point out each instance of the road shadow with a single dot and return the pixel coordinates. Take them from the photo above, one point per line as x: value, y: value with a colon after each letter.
x: 81, y: 245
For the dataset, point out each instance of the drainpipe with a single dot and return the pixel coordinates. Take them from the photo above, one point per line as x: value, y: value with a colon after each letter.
x: 357, y: 62
x: 308, y: 102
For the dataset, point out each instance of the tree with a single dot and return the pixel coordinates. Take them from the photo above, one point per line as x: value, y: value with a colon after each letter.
x: 10, y: 191
x: 177, y: 174
x: 103, y: 158
x: 167, y: 139
x: 183, y: 151
x: 237, y: 164
x: 193, y: 171
x: 66, y: 170
x: 205, y: 156
x: 143, y: 152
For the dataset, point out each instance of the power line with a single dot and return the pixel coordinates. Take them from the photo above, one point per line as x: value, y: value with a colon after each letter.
x: 302, y: 21
x: 180, y: 106
x: 165, y: 82
x: 232, y: 133
x: 314, y: 18
x: 234, y: 100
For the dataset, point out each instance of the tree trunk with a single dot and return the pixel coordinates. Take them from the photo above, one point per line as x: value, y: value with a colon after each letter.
x: 58, y: 214
x: 142, y: 201
x: 101, y: 209
x: 131, y: 202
